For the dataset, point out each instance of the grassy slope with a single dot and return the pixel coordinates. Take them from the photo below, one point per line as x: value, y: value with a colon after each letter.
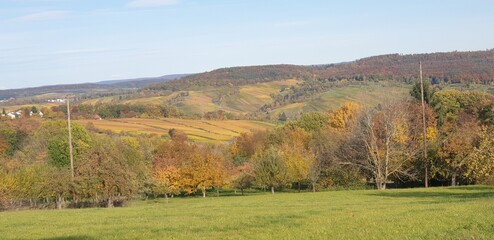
x: 436, y: 213
x: 198, y: 130
x: 252, y: 97
x: 369, y: 95
x: 249, y: 98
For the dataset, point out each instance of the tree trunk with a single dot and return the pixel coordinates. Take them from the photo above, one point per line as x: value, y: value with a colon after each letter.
x: 110, y: 203
x: 242, y: 190
x: 217, y: 191
x: 453, y: 180
x: 313, y: 187
x: 381, y: 185
x: 203, y: 192
x: 166, y: 197
x: 59, y: 202
x: 298, y: 186
x: 272, y: 190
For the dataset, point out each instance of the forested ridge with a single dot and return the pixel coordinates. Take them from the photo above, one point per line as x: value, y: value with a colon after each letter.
x: 448, y: 67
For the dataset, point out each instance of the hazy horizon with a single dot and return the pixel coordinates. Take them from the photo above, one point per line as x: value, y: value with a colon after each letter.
x: 49, y: 42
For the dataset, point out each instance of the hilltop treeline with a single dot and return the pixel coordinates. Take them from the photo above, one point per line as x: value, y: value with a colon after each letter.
x: 350, y: 147
x: 235, y: 76
x: 450, y: 67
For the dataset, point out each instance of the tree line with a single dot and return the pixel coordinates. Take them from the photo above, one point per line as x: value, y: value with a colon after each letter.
x: 448, y: 67
x: 350, y: 147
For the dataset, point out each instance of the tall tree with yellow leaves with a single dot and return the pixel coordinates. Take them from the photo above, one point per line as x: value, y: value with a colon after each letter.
x: 382, y: 143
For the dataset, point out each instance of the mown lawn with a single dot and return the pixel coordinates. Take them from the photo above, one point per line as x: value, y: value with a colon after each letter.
x: 435, y: 213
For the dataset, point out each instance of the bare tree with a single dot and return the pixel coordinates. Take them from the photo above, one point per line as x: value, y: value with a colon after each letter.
x: 381, y: 144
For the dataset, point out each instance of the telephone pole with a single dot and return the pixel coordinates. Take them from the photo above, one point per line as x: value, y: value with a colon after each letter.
x: 70, y: 141
x: 426, y: 178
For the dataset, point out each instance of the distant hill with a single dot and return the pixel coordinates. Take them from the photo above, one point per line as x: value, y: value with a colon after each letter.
x: 235, y: 76
x: 103, y: 86
x: 142, y: 82
x: 265, y: 92
x: 449, y: 67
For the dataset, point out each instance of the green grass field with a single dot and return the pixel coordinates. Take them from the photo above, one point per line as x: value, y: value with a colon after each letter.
x: 434, y: 213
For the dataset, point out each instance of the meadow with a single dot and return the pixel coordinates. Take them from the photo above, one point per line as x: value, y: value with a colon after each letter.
x: 434, y: 213
x: 197, y: 130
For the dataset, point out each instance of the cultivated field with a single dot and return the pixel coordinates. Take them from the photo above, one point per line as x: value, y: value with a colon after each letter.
x: 435, y: 213
x: 197, y: 130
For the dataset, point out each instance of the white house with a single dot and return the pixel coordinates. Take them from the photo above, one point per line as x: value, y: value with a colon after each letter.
x: 58, y: 100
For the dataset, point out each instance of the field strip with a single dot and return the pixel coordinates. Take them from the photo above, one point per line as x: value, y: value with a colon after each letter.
x: 199, y: 132
x: 208, y: 123
x: 198, y: 128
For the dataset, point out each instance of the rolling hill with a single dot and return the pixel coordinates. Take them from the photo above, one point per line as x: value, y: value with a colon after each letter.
x: 448, y: 67
x: 103, y: 86
x: 265, y: 92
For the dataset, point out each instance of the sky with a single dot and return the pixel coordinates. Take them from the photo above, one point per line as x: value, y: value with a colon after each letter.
x: 47, y: 42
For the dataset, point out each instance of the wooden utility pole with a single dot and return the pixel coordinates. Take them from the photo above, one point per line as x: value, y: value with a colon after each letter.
x: 426, y: 178
x: 70, y: 141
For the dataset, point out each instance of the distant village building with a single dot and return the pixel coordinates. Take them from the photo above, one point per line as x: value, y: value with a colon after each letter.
x: 39, y: 114
x: 58, y: 100
x: 11, y: 115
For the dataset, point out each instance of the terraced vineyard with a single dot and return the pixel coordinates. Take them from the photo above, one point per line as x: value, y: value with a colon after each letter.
x: 197, y: 130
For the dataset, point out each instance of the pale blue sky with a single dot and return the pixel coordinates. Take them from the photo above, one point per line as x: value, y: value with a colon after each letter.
x: 45, y: 42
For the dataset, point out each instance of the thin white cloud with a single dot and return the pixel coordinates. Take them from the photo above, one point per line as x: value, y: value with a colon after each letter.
x: 41, y: 16
x: 151, y: 3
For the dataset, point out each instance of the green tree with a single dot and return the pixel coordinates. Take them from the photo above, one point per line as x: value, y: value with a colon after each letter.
x: 428, y: 91
x: 481, y: 160
x: 12, y: 138
x: 282, y: 117
x: 34, y: 110
x: 105, y: 172
x: 56, y: 135
x: 56, y: 184
x: 269, y: 169
x: 310, y: 122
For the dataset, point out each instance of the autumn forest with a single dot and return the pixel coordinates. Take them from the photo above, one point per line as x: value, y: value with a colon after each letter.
x: 354, y: 146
